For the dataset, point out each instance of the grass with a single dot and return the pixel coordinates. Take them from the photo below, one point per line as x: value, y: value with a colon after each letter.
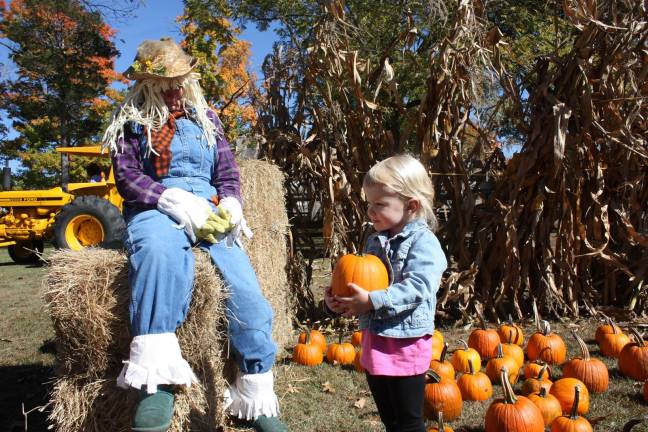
x: 26, y: 346
x: 323, y: 398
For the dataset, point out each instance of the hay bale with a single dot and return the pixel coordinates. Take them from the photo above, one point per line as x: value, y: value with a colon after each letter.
x: 87, y: 296
x: 265, y: 211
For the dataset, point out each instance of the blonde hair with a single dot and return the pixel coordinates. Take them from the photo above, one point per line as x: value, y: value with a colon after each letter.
x: 145, y: 105
x: 407, y: 177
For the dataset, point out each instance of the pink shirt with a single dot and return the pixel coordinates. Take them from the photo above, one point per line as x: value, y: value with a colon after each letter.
x: 394, y: 356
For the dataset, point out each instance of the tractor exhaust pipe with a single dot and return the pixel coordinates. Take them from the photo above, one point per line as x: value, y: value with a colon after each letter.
x: 6, y: 177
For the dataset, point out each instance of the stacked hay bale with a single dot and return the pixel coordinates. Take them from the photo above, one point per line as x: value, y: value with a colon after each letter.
x: 87, y: 295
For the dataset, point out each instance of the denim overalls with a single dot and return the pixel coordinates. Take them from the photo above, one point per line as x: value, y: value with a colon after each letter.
x: 161, y: 263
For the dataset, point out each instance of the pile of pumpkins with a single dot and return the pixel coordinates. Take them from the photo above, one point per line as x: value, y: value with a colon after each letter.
x: 312, y: 347
x: 453, y: 379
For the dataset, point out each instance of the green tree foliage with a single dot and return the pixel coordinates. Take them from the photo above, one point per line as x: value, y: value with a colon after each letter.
x: 59, y: 97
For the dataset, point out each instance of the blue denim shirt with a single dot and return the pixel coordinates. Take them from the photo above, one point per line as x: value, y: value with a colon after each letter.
x: 415, y: 262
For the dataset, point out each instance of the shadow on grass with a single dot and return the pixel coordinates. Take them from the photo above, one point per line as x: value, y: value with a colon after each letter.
x: 48, y: 347
x: 28, y: 385
x: 13, y: 264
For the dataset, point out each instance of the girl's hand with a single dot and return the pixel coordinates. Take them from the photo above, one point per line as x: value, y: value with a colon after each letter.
x: 357, y: 304
x: 331, y: 301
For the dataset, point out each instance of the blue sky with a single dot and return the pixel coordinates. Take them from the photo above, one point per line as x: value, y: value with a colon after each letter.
x: 156, y: 18
x: 154, y: 21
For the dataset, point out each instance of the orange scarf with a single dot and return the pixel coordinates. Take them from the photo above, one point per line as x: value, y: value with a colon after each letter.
x: 161, y: 140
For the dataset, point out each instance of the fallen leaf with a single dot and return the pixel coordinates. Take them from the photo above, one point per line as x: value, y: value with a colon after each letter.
x: 292, y: 389
x: 328, y: 388
x: 360, y: 403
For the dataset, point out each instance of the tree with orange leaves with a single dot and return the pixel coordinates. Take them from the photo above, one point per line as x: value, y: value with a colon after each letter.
x: 223, y: 62
x: 58, y: 97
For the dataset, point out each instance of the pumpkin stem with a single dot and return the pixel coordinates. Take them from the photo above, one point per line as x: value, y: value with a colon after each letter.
x: 308, y: 337
x: 465, y: 345
x: 632, y: 423
x: 543, y: 392
x: 542, y: 371
x: 583, y: 346
x: 440, y: 421
x: 471, y: 368
x: 500, y: 352
x: 510, y: 340
x: 509, y: 394
x: 638, y: 337
x: 546, y: 328
x: 435, y: 377
x: 510, y: 320
x: 574, y: 411
x: 444, y: 351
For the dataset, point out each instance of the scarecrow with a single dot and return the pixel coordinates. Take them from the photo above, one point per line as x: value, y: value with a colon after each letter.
x: 181, y: 188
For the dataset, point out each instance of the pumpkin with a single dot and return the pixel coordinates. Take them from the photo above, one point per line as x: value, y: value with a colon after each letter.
x: 572, y: 422
x: 612, y: 343
x: 340, y: 353
x: 356, y: 338
x: 535, y: 384
x: 513, y: 350
x: 475, y: 386
x: 440, y: 426
x: 442, y: 366
x: 356, y: 362
x: 495, y: 365
x: 366, y: 271
x: 546, y: 346
x: 483, y: 340
x: 548, y: 404
x: 316, y: 338
x: 437, y: 344
x: 606, y: 328
x: 531, y: 369
x: 512, y: 413
x: 438, y: 335
x: 563, y: 389
x: 441, y: 394
x: 511, y: 333
x: 307, y: 353
x: 592, y: 372
x: 462, y: 357
x: 633, y: 358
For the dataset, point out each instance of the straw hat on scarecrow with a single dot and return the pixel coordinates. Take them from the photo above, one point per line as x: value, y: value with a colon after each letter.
x: 158, y: 66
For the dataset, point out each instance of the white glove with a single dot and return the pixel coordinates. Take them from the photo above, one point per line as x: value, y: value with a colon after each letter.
x: 233, y: 206
x: 190, y: 211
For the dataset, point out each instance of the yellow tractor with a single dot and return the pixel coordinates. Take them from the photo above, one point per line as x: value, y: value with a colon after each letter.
x: 74, y: 216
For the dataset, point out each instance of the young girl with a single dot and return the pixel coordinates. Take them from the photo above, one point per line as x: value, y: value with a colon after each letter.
x: 397, y: 323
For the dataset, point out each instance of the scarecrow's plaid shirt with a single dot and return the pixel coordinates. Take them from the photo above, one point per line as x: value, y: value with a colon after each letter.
x: 140, y: 190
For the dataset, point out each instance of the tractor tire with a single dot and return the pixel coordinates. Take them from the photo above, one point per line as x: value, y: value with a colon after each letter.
x: 26, y: 252
x: 88, y: 221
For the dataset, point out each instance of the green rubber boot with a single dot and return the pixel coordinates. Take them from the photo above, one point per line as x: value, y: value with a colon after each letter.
x: 269, y: 424
x: 154, y: 411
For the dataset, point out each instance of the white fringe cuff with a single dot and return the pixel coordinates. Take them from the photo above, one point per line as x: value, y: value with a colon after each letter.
x: 155, y: 359
x: 252, y: 395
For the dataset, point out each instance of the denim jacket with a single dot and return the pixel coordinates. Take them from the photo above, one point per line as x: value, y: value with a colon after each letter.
x: 415, y: 262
